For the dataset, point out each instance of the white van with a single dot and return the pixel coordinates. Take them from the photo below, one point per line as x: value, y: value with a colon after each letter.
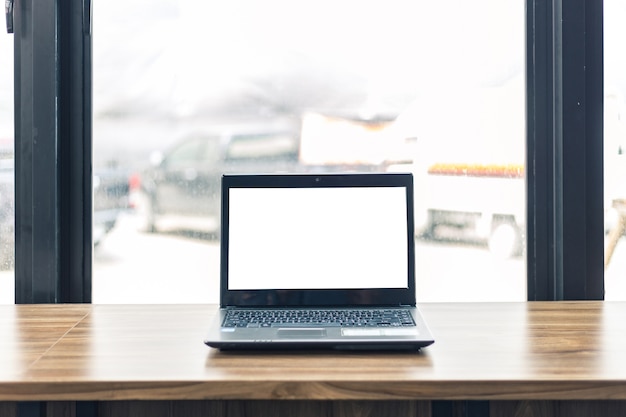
x: 469, y: 164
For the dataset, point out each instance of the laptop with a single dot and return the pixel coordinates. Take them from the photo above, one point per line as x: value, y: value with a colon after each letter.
x: 312, y: 261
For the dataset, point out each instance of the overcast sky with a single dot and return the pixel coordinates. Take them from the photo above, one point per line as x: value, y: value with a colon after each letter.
x: 179, y: 54
x: 188, y: 52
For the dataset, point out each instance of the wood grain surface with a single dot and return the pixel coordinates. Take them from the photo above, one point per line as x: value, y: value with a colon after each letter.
x: 482, y: 351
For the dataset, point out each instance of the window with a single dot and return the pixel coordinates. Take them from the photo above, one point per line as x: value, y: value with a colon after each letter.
x: 7, y: 216
x: 614, y: 148
x: 436, y: 89
x: 53, y: 254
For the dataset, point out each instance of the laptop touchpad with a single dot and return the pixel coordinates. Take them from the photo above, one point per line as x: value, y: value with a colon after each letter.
x: 297, y: 333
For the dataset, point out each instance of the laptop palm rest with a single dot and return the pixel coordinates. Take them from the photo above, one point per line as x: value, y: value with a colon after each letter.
x: 301, y: 332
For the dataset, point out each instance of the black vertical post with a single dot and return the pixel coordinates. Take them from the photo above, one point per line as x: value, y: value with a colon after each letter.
x: 539, y: 150
x: 564, y: 150
x: 52, y: 152
x: 75, y: 145
x: 36, y: 152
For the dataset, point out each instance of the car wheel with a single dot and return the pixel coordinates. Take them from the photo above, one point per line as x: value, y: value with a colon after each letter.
x: 149, y: 214
x: 505, y: 240
x: 427, y: 228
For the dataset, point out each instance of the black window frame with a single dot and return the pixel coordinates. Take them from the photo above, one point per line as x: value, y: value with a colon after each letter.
x: 564, y: 154
x: 53, y: 152
x: 53, y: 148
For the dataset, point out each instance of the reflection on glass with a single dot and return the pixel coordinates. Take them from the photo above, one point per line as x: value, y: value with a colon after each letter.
x: 614, y: 148
x: 187, y: 90
x: 7, y: 212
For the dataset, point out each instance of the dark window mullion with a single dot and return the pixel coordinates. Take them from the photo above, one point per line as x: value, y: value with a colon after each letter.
x: 580, y: 178
x: 36, y: 136
x: 594, y: 150
x: 564, y: 150
x: 53, y: 152
x: 539, y: 150
x: 75, y: 151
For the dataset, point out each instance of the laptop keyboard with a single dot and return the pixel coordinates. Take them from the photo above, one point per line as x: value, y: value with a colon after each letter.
x: 326, y: 318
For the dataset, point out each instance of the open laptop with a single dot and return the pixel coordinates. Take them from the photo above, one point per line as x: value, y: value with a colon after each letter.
x: 318, y: 261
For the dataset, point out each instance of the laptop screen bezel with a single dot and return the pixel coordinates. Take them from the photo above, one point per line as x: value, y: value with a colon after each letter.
x: 317, y: 297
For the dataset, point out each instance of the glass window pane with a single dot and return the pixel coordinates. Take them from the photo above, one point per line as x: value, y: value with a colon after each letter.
x: 187, y: 90
x: 7, y: 213
x: 614, y: 148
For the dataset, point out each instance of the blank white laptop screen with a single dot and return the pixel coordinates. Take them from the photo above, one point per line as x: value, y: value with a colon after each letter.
x: 317, y: 238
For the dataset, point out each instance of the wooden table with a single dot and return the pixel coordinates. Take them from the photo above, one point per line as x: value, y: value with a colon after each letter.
x: 536, y: 359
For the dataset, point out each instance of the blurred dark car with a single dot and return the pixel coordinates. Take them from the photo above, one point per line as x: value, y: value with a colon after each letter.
x: 110, y: 198
x: 181, y: 190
